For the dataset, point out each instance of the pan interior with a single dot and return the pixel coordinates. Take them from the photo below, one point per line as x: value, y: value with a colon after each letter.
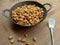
x: 29, y: 3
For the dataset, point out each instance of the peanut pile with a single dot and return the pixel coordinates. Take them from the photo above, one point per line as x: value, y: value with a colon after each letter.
x: 27, y: 15
x: 23, y: 40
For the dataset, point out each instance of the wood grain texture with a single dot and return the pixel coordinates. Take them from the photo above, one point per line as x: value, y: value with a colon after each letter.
x: 41, y: 31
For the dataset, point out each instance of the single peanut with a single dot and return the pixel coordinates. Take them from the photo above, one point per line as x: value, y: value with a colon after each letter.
x: 26, y: 35
x: 34, y: 39
x: 28, y: 43
x: 10, y: 37
x: 19, y: 39
x: 12, y: 41
x: 23, y: 40
x: 34, y: 43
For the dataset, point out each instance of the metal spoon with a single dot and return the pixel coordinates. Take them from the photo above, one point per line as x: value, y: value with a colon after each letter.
x: 51, y: 24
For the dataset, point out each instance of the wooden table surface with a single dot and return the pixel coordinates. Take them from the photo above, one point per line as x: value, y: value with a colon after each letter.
x: 41, y: 30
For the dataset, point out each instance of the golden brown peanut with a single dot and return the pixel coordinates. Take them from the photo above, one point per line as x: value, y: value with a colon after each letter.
x: 34, y: 39
x: 23, y: 40
x: 29, y: 13
x: 19, y: 39
x: 10, y: 37
x: 28, y: 43
x: 14, y: 18
x: 26, y: 35
x: 34, y: 43
x: 13, y: 13
x: 12, y: 41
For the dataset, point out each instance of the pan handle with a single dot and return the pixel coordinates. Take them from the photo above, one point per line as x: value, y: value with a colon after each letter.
x: 4, y: 11
x: 49, y: 6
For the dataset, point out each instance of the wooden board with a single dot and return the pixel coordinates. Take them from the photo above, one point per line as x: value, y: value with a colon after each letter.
x: 41, y: 31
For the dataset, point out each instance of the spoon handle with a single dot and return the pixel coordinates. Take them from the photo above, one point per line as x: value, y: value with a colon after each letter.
x: 52, y: 37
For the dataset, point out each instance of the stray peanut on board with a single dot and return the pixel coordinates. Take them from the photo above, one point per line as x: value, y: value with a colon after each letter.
x: 10, y: 37
x: 26, y: 35
x: 28, y: 43
x: 12, y: 41
x: 34, y: 39
x: 23, y: 40
x: 19, y: 39
x: 34, y: 43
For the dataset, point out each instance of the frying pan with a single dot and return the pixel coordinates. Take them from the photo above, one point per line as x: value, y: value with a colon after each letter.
x: 27, y: 2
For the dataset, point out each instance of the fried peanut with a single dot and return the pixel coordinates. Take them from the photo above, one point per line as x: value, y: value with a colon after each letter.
x: 26, y: 35
x: 34, y: 39
x: 19, y: 39
x: 31, y: 13
x: 10, y: 37
x: 12, y: 41
x: 23, y: 40
x: 28, y: 43
x: 34, y: 43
